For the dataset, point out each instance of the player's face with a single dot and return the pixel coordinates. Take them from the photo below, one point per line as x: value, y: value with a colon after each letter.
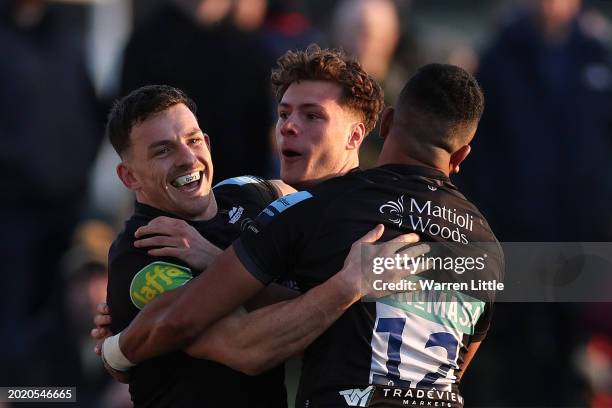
x: 312, y: 133
x: 168, y: 164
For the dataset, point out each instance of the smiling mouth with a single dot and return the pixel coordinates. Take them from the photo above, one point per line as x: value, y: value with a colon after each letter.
x: 188, y: 181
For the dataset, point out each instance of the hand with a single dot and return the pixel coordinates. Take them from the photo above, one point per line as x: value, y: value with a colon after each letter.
x: 358, y: 283
x: 177, y: 239
x: 121, y: 376
x: 102, y: 321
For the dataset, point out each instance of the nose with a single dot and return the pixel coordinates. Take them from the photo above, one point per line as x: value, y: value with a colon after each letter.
x: 185, y: 156
x: 288, y: 127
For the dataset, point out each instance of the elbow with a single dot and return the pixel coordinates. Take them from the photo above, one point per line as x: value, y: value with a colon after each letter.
x: 251, y: 363
x: 250, y: 367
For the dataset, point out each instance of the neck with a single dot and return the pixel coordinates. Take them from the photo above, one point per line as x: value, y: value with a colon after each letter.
x: 393, y: 154
x: 341, y: 170
x: 210, y: 211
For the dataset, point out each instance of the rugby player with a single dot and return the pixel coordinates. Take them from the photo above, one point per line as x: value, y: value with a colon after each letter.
x: 380, y: 353
x: 165, y: 160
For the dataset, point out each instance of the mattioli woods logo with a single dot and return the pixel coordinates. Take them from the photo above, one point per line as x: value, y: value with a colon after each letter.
x: 426, y: 217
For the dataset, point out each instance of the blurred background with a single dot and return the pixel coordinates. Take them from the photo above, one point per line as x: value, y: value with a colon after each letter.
x: 539, y: 171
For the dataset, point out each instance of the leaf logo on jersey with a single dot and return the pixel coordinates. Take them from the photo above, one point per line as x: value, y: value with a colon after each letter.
x: 357, y: 397
x: 395, y: 211
x: 157, y: 278
x: 235, y: 213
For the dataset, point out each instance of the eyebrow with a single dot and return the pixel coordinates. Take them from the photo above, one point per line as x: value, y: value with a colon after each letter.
x: 190, y: 133
x: 303, y: 105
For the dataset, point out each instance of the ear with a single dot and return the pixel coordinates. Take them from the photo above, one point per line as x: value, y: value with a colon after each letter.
x: 207, y: 140
x: 457, y: 158
x: 356, y: 137
x: 385, y: 122
x: 127, y: 177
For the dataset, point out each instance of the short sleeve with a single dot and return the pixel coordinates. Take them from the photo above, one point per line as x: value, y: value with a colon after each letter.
x: 269, y: 247
x: 253, y: 189
x: 135, y: 279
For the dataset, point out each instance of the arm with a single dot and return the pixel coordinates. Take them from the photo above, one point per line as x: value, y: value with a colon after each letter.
x: 469, y: 355
x: 161, y: 328
x: 257, y: 341
x: 282, y: 188
x: 158, y: 330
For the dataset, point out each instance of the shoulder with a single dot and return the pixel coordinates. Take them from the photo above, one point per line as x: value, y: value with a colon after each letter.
x: 247, y: 189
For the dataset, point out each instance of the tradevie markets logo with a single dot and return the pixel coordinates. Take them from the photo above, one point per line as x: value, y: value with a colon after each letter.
x: 357, y: 397
x: 427, y: 217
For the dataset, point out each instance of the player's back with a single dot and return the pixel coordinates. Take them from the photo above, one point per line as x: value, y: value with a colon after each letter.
x: 411, y: 341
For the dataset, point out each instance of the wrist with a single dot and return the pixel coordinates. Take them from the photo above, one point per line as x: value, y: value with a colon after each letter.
x: 346, y: 291
x: 113, y: 356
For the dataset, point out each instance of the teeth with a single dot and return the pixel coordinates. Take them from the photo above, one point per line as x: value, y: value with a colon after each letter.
x: 186, y: 179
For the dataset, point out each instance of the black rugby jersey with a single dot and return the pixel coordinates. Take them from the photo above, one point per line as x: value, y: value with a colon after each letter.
x: 418, y: 341
x: 175, y: 379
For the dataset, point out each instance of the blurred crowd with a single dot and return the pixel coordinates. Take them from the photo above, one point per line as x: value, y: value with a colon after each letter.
x: 538, y: 171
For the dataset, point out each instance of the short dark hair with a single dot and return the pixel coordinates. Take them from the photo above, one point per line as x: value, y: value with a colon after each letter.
x: 440, y: 101
x: 360, y: 91
x: 139, y: 105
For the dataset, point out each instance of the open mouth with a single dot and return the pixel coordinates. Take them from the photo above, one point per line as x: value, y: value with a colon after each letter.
x: 288, y: 153
x: 188, y: 182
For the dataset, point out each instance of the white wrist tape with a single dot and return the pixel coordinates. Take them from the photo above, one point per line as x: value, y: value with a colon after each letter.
x: 112, y: 354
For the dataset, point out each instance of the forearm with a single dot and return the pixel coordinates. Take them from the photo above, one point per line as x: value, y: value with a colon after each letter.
x: 158, y: 330
x: 151, y: 333
x: 262, y: 339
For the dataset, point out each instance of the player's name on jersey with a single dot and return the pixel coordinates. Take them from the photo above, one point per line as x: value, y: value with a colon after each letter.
x: 430, y: 284
x: 449, y: 308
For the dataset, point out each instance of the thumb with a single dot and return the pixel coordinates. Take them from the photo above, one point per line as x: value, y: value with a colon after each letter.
x: 373, y: 235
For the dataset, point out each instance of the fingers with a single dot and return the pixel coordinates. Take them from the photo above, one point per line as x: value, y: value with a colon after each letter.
x: 415, y: 251
x: 159, y: 241
x: 102, y: 308
x: 100, y: 333
x: 373, y: 235
x: 167, y: 251
x: 98, y: 348
x: 102, y: 320
x: 161, y: 225
x: 407, y: 238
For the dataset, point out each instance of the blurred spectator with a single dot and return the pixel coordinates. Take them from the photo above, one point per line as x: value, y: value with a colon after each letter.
x: 191, y: 44
x: 50, y: 129
x: 286, y: 27
x: 249, y: 15
x: 546, y: 129
x: 86, y: 268
x: 370, y: 30
x: 537, y: 172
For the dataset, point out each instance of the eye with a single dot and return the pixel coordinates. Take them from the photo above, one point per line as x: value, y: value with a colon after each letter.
x: 313, y: 115
x: 195, y: 141
x: 161, y: 151
x: 283, y: 115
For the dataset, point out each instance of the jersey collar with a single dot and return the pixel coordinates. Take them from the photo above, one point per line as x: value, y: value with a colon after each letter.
x: 411, y: 169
